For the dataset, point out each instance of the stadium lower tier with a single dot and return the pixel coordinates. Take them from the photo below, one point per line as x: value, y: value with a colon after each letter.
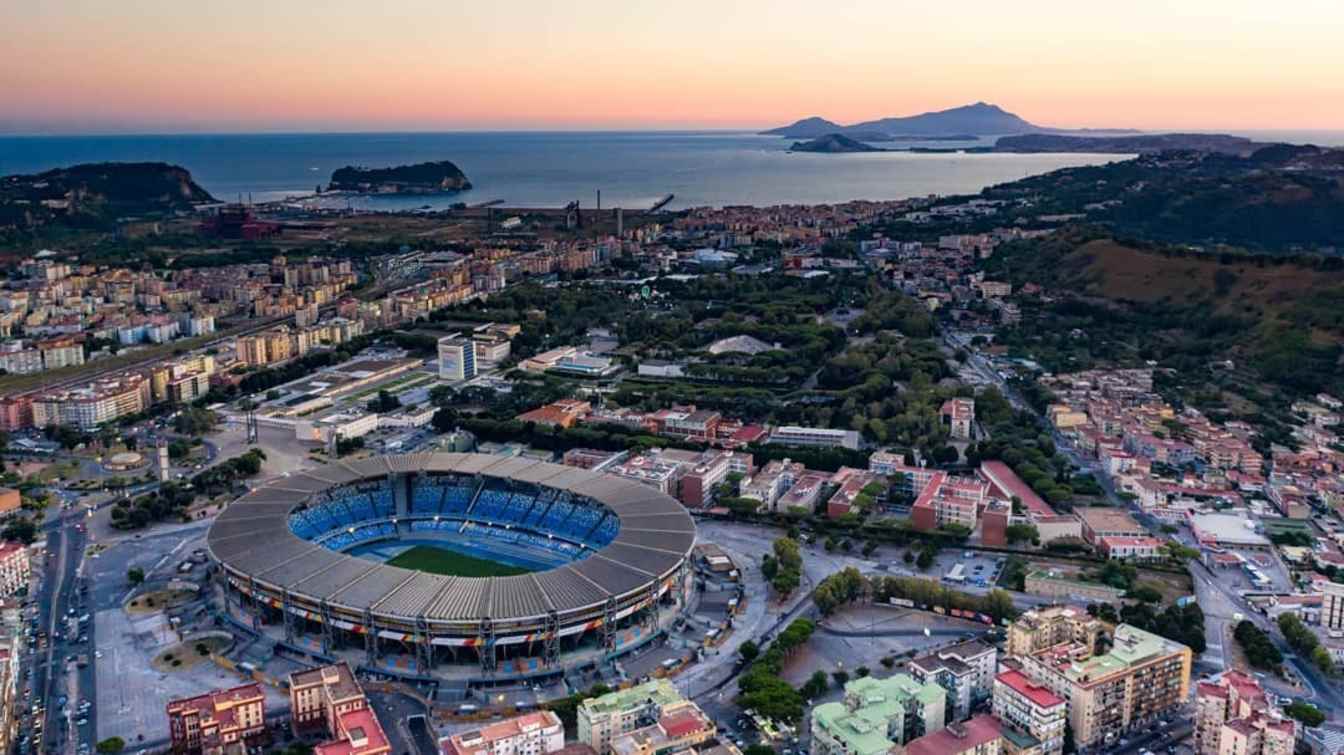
x: 484, y: 650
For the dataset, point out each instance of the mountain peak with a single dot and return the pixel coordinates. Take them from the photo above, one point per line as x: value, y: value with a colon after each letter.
x: 977, y: 119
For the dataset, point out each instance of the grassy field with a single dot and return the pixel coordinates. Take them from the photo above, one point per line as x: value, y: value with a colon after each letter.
x: 442, y: 561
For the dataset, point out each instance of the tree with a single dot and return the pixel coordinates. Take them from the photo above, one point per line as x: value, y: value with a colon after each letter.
x: 749, y: 650
x: 816, y: 685
x: 385, y: 402
x: 20, y: 529
x: 925, y: 559
x: 841, y: 677
x: 135, y: 575
x: 1307, y: 713
x: 1022, y: 533
x: 1260, y: 651
x: 769, y: 567
x: 111, y: 746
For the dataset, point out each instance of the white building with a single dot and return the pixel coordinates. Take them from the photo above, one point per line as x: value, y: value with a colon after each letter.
x: 531, y: 734
x: 457, y: 358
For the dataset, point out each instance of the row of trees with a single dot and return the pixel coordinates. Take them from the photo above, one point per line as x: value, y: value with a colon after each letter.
x: 760, y: 687
x: 1305, y: 642
x: 1259, y: 648
x: 1183, y: 624
x: 932, y: 593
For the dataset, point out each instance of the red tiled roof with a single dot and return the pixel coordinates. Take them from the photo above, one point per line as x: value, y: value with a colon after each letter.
x: 956, y: 738
x: 1034, y: 692
x: 680, y: 724
x: 1009, y: 484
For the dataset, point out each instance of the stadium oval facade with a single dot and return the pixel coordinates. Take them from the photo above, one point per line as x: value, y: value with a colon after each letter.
x: 603, y: 557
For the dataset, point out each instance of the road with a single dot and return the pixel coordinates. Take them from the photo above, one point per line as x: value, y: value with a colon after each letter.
x: 53, y: 676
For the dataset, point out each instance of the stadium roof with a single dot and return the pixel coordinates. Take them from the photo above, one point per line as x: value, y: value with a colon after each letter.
x: 252, y: 536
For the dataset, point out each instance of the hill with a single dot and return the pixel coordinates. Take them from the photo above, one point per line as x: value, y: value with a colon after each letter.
x: 1244, y: 334
x: 422, y: 178
x: 1279, y: 199
x: 833, y: 144
x: 806, y: 128
x: 95, y: 194
x: 1139, y: 144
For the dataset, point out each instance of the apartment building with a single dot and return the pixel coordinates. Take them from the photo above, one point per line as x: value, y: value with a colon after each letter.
x: 1332, y: 605
x: 603, y: 719
x: 676, y: 730
x: 1033, y: 717
x: 317, y: 697
x: 537, y: 733
x: 949, y: 500
x: 217, y: 722
x: 60, y: 352
x: 697, y: 485
x: 965, y: 670
x: 15, y: 569
x: 700, y: 425
x: 981, y: 735
x: 1046, y: 627
x: 875, y: 715
x: 772, y: 481
x: 182, y: 380
x: 91, y: 405
x: 357, y: 733
x: 1233, y: 716
x: 271, y: 347
x: 1142, y: 676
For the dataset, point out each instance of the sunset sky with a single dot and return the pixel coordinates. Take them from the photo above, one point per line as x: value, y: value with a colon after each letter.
x: 80, y: 66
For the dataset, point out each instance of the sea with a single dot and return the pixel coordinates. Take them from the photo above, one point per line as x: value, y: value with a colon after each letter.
x: 631, y: 169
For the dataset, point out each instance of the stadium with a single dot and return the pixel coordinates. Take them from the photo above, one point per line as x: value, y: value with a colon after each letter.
x: 457, y: 564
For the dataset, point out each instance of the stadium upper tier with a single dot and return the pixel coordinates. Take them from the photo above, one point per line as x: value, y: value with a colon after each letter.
x: 615, y: 537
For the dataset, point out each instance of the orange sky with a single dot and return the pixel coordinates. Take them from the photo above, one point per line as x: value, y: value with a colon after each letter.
x: 161, y: 65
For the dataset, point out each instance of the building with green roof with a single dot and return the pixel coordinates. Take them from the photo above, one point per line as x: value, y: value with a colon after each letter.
x: 600, y: 719
x: 877, y: 714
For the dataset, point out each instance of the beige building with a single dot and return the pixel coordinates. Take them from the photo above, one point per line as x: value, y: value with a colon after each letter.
x: 1050, y: 626
x: 217, y: 722
x: 676, y: 730
x: 182, y: 380
x: 318, y: 697
x: 1142, y: 676
x: 1233, y: 717
x: 1332, y: 605
x: 537, y: 733
x: 1053, y: 584
x: 91, y: 405
x: 603, y: 719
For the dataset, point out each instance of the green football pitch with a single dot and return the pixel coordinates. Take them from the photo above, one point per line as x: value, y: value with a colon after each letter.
x: 427, y: 558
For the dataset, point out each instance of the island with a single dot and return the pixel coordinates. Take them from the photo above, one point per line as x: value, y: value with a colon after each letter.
x: 833, y: 144
x: 422, y: 178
